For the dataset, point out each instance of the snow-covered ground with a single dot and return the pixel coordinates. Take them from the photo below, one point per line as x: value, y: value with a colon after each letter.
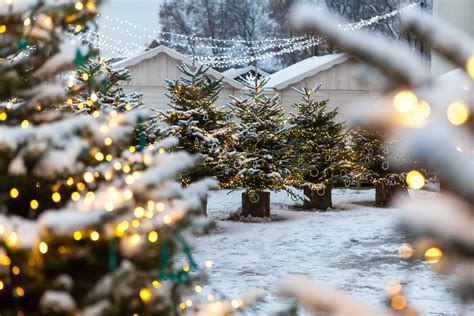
x: 354, y: 247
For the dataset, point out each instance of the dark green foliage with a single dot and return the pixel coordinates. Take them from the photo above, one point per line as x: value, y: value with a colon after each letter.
x: 260, y: 163
x: 201, y: 126
x: 317, y: 146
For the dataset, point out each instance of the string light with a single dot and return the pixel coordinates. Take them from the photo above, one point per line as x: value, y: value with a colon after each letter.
x: 247, y: 51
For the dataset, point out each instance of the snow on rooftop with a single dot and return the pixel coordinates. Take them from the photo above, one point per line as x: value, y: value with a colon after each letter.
x: 303, y: 69
x: 236, y: 72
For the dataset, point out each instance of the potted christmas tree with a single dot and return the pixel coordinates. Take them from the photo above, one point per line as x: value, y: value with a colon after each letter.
x: 260, y: 165
x: 316, y: 150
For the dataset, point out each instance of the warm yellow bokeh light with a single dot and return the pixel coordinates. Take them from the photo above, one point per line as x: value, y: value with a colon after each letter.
x: 139, y: 212
x: 88, y: 177
x: 415, y: 180
x: 209, y: 264
x: 470, y: 66
x: 393, y: 288
x: 77, y: 235
x: 95, y: 236
x: 12, y: 240
x: 405, y: 251
x: 79, y: 6
x: 153, y: 236
x: 43, y: 247
x: 14, y: 193
x: 56, y: 197
x: 433, y: 255
x: 156, y: 284
x: 19, y: 291
x: 145, y: 295
x: 457, y: 113
x: 34, y: 204
x: 405, y: 101
x: 398, y: 302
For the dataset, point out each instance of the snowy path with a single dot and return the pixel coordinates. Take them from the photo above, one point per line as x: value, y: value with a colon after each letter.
x: 354, y: 249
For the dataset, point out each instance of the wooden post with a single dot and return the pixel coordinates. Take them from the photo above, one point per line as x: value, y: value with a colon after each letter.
x: 256, y: 204
x: 384, y: 194
x: 318, y: 199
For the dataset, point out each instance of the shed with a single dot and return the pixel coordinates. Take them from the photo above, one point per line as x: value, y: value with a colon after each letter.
x: 338, y: 75
x: 150, y: 70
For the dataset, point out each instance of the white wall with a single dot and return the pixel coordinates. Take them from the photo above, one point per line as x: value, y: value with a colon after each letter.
x: 459, y: 13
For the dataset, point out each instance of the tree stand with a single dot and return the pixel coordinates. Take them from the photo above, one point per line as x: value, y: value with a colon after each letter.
x: 384, y: 194
x: 256, y: 204
x: 318, y: 199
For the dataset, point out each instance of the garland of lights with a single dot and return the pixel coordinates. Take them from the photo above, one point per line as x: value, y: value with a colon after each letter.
x: 231, y: 51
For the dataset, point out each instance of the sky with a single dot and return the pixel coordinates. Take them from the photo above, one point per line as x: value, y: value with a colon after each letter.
x: 140, y: 12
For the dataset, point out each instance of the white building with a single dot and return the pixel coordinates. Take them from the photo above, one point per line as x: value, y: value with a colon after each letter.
x: 338, y: 75
x: 460, y: 14
x: 152, y: 68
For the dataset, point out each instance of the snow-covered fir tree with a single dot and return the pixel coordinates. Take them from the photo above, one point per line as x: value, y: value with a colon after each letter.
x: 90, y: 223
x: 202, y: 127
x: 260, y: 165
x: 379, y: 164
x: 317, y: 150
x: 110, y: 96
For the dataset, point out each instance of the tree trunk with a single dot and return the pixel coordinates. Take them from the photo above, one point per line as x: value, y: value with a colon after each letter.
x: 318, y: 199
x: 204, y: 205
x: 256, y: 204
x: 384, y: 194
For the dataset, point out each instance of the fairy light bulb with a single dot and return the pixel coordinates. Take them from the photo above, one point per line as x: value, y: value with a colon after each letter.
x: 34, y: 204
x: 79, y: 6
x: 77, y: 235
x: 43, y: 247
x: 94, y: 97
x: 145, y: 295
x: 56, y: 197
x: 12, y: 240
x: 14, y: 193
x: 152, y: 236
x: 405, y: 101
x: 457, y: 113
x: 95, y: 236
x: 25, y: 124
x: 415, y: 180
x: 88, y: 177
x: 433, y: 255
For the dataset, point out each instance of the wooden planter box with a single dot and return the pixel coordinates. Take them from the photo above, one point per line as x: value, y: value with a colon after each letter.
x: 384, y: 194
x: 318, y: 199
x: 255, y: 204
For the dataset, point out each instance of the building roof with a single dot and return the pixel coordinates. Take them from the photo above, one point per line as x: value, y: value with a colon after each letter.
x: 304, y: 69
x: 237, y: 72
x: 140, y: 57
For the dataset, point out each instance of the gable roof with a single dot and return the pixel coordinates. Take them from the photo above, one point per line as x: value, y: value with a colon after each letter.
x: 140, y: 57
x: 237, y: 72
x: 304, y: 69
